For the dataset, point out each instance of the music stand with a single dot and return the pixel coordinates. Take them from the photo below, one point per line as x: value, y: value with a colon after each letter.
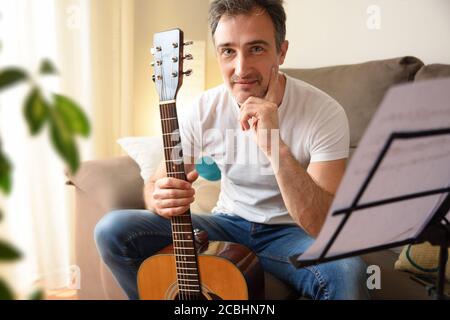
x: 437, y: 231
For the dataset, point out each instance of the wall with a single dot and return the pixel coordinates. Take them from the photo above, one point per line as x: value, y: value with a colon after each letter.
x: 329, y: 32
x: 151, y: 17
x: 321, y: 33
x: 111, y: 65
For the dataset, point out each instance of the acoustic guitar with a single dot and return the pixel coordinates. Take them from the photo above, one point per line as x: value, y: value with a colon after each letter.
x: 191, y: 268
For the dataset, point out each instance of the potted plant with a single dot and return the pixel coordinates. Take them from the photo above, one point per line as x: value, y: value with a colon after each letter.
x: 65, y: 119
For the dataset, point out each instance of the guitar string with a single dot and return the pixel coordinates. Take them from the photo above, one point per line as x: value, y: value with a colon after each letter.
x: 188, y: 216
x: 176, y: 226
x: 170, y: 112
x: 179, y: 245
x: 196, y: 274
x: 168, y: 158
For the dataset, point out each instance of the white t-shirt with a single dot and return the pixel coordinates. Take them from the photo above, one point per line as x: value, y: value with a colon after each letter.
x: 312, y: 124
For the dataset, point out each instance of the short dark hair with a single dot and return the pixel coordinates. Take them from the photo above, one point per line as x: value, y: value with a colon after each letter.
x: 274, y: 9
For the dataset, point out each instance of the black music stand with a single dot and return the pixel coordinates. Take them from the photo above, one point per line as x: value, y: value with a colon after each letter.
x: 437, y: 231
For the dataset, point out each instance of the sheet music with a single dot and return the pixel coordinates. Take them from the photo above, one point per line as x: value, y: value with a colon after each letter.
x: 410, y: 166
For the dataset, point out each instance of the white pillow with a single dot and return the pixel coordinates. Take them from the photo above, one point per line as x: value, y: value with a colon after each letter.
x: 148, y: 154
x: 146, y: 151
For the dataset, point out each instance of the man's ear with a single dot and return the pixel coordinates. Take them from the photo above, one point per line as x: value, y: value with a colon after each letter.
x: 283, y: 51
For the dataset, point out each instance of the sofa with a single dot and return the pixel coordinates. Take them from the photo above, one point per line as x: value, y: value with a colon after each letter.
x: 104, y: 185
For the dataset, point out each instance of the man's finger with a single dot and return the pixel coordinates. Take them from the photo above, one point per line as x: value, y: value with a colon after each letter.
x: 172, y: 212
x: 172, y: 183
x: 247, y: 113
x: 271, y: 94
x: 192, y: 176
x: 173, y: 194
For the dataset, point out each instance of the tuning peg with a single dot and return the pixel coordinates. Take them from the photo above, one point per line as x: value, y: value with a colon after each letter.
x: 188, y: 72
x: 157, y: 63
x: 175, y: 45
x: 154, y: 78
x: 155, y: 50
x: 189, y: 43
x: 188, y: 57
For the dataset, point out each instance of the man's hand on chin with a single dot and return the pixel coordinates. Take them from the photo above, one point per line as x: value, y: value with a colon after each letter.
x: 262, y: 113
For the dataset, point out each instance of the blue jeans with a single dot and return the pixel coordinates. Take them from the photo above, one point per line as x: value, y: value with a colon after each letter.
x: 126, y: 238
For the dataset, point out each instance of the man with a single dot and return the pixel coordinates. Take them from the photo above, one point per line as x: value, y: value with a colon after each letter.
x: 276, y: 215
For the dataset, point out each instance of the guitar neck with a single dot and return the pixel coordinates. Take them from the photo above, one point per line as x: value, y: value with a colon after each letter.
x: 173, y: 152
x: 182, y: 230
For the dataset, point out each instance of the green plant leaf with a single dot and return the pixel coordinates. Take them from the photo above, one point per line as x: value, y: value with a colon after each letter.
x: 1, y: 215
x: 35, y: 111
x: 63, y: 140
x: 37, y: 295
x: 5, y: 174
x: 73, y: 115
x: 5, y: 292
x: 47, y: 68
x: 11, y: 76
x: 8, y: 252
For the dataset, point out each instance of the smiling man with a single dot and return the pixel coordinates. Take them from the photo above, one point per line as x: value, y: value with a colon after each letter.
x: 276, y: 215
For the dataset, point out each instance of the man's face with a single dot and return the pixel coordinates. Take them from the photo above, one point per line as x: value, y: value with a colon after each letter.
x: 246, y: 51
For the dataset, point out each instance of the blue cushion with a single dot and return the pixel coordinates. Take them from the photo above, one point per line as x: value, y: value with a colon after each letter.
x: 208, y: 169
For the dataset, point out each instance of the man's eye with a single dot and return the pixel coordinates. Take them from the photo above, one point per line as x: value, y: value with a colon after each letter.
x: 227, y: 52
x: 257, y: 49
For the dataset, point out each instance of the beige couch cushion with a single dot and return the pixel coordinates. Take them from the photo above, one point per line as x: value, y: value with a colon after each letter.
x: 433, y: 71
x: 112, y: 183
x: 359, y: 88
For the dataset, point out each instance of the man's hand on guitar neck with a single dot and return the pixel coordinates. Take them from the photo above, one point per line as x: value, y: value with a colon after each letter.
x: 169, y: 197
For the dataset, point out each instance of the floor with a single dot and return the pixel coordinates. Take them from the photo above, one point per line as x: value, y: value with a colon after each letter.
x: 64, y: 294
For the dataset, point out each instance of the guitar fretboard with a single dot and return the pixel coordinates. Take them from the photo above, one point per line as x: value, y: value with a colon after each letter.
x: 182, y: 231
x: 172, y: 141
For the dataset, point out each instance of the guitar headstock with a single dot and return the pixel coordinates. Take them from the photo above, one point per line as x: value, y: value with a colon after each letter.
x: 168, y: 52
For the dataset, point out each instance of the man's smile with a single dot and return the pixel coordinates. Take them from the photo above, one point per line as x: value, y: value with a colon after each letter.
x: 245, y: 84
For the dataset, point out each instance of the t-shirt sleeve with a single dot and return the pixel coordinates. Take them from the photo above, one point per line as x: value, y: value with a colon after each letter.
x: 330, y: 139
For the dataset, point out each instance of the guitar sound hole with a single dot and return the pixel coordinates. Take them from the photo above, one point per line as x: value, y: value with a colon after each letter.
x: 199, y: 297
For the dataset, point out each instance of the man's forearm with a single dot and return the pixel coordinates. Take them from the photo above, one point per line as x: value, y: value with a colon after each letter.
x: 305, y: 201
x: 147, y: 192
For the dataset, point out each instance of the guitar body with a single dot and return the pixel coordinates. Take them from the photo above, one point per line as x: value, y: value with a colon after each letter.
x: 228, y: 271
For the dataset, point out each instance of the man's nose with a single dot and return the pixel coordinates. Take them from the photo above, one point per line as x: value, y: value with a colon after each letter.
x: 242, y: 66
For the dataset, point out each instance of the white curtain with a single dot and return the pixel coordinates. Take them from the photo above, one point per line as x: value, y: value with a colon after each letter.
x: 91, y: 43
x: 112, y: 56
x: 38, y: 214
